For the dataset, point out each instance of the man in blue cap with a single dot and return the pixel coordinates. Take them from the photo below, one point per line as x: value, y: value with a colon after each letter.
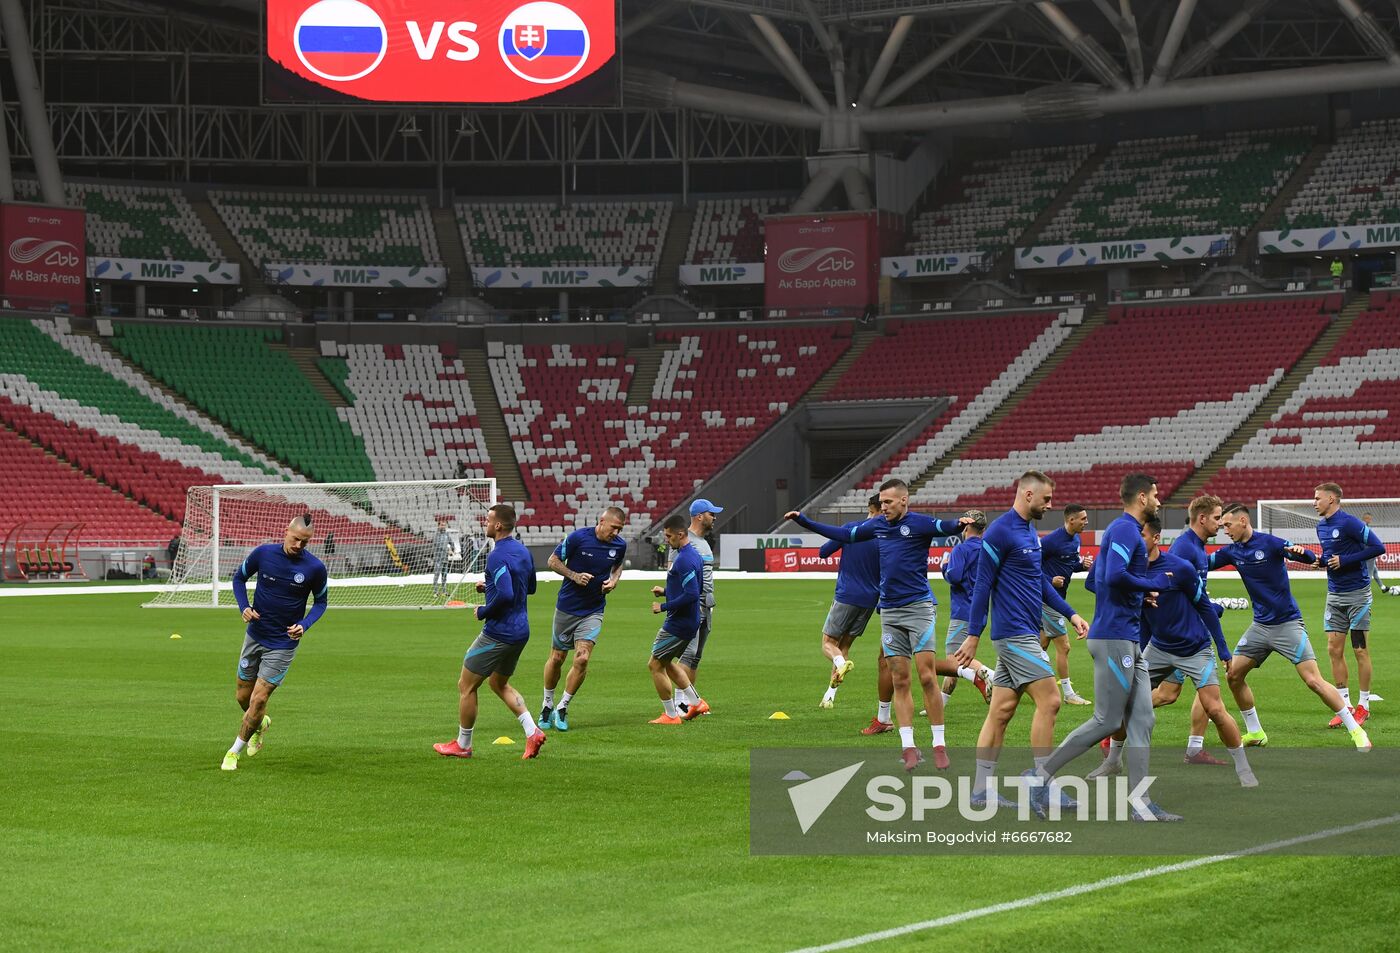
x: 702, y: 521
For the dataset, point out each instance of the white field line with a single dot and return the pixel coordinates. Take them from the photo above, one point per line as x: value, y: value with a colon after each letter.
x: 1091, y: 887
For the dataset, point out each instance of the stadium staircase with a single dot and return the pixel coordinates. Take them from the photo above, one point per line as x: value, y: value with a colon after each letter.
x: 510, y: 486
x: 1273, y: 214
x: 454, y: 253
x: 673, y: 249
x: 307, y: 359
x: 860, y: 340
x: 1005, y: 265
x: 251, y: 272
x: 1264, y: 413
x: 1092, y: 321
x: 647, y: 361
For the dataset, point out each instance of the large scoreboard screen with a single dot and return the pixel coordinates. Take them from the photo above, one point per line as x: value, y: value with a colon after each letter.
x: 501, y: 52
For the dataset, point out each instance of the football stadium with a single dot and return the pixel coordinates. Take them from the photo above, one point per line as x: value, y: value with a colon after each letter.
x: 898, y: 475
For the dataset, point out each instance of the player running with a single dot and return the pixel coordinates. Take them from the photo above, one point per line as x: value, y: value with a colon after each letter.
x: 908, y: 615
x: 1181, y: 624
x: 1061, y: 559
x: 1012, y: 584
x: 702, y: 521
x: 590, y: 560
x: 510, y: 580
x: 684, y: 592
x: 287, y: 575
x: 1348, y: 546
x: 1203, y: 515
x: 960, y: 572
x: 1278, y: 625
x: 1122, y: 690
x: 857, y: 594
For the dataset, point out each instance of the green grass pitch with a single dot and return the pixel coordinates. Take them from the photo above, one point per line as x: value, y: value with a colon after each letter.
x: 119, y: 832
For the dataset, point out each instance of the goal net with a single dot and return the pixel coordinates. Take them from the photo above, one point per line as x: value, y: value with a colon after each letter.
x: 400, y: 545
x: 1296, y: 521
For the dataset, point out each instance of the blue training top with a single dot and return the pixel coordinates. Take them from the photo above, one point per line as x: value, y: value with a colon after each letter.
x: 1184, y: 620
x: 1192, y: 548
x: 1346, y: 537
x: 904, y: 546
x: 1120, y: 579
x: 510, y: 578
x: 858, y: 577
x: 1010, y: 581
x: 284, y: 584
x: 1059, y: 556
x: 1260, y: 560
x: 960, y: 572
x: 582, y: 551
x: 683, y: 584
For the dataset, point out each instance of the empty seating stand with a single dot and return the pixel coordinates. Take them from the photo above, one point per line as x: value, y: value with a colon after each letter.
x: 1340, y: 425
x: 352, y: 229
x: 975, y: 361
x: 730, y: 231
x: 136, y: 221
x: 1118, y: 403
x: 547, y: 235
x: 995, y: 200
x: 1180, y: 185
x: 1356, y: 183
x: 583, y: 440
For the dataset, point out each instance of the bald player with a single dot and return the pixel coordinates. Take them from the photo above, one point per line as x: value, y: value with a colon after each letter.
x: 277, y: 619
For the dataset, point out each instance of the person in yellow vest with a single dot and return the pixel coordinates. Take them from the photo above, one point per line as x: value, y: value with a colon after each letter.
x: 1336, y: 268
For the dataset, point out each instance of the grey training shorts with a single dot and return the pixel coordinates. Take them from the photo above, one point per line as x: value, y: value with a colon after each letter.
x: 1201, y: 667
x: 257, y: 661
x: 1052, y: 623
x: 957, y: 635
x: 1348, y: 611
x: 667, y: 647
x: 846, y: 621
x: 1020, y: 661
x: 487, y: 656
x: 909, y: 629
x: 1289, y: 639
x: 568, y: 628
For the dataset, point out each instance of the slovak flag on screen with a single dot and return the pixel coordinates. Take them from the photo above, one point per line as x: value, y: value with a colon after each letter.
x: 544, y: 42
x: 340, y: 39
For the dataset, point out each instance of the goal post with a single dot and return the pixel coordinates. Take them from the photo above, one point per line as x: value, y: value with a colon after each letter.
x: 1296, y: 521
x: 410, y: 544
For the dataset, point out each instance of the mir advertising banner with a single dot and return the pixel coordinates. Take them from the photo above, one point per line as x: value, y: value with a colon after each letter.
x: 442, y: 51
x: 815, y: 264
x: 45, y: 252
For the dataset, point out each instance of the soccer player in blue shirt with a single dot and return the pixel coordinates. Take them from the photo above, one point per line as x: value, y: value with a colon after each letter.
x: 960, y: 572
x: 590, y: 560
x: 1348, y: 546
x: 1061, y: 559
x: 1181, y: 624
x: 857, y: 594
x: 1203, y: 515
x: 1012, y: 585
x: 287, y: 575
x: 1122, y: 690
x: 492, y: 657
x: 908, y: 620
x: 683, y: 595
x: 1278, y: 625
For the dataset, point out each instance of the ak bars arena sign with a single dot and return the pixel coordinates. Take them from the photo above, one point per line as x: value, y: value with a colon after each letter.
x: 442, y: 51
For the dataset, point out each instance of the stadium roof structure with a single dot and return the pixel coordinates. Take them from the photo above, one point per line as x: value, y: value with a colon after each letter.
x: 802, y: 77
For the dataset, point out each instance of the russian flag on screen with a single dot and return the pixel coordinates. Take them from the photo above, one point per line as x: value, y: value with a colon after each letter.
x: 340, y: 39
